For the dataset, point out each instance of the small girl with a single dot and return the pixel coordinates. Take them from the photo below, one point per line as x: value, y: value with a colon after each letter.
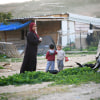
x: 60, y: 57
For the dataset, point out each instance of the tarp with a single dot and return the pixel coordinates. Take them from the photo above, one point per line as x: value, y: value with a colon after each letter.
x: 12, y: 26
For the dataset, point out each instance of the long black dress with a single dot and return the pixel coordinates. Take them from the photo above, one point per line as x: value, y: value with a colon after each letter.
x: 30, y: 57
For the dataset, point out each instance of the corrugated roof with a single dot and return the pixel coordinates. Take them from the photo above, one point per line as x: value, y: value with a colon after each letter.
x: 36, y: 18
x: 84, y: 19
x: 71, y: 16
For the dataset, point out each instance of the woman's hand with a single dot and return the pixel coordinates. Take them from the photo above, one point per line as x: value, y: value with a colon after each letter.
x: 40, y: 39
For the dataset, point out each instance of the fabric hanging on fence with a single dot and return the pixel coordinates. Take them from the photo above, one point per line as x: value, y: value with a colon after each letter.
x: 12, y: 26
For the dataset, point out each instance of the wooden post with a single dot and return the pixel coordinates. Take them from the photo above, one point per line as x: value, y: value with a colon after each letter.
x: 5, y: 36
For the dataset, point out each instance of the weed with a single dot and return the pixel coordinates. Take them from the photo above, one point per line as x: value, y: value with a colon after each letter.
x: 1, y: 67
x: 66, y: 76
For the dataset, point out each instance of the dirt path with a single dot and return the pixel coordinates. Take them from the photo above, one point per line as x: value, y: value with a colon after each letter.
x: 83, y: 92
x: 45, y: 92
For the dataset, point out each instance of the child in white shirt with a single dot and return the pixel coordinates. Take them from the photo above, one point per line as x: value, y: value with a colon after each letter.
x: 60, y: 57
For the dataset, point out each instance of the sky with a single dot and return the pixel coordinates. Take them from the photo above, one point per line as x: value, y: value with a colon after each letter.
x: 12, y: 1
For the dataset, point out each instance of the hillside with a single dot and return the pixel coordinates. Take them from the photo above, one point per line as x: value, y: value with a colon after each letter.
x: 42, y: 7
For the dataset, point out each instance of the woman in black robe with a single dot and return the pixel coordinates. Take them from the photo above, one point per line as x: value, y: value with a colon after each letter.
x: 30, y: 57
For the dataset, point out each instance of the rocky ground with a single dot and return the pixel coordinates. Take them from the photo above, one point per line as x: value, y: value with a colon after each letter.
x: 45, y: 92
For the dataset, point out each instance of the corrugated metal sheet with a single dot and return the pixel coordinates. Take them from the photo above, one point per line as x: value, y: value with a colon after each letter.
x: 84, y: 19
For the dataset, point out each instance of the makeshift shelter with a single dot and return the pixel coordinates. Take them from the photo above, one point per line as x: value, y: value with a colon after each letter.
x: 46, y: 26
x: 12, y: 38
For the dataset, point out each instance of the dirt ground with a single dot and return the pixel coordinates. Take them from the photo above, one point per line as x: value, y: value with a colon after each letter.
x: 45, y: 92
x: 12, y: 68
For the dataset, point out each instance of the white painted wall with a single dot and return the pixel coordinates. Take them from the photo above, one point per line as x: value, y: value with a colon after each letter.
x: 64, y: 31
x: 71, y: 27
x: 71, y: 31
x: 67, y: 35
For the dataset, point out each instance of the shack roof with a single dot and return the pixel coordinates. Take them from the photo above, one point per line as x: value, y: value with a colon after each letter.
x: 63, y: 16
x: 84, y: 19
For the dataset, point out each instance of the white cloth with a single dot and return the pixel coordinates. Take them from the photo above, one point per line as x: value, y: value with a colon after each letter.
x: 60, y: 54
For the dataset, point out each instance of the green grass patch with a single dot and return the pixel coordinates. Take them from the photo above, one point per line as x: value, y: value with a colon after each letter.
x: 82, y: 52
x: 95, y: 99
x: 3, y: 98
x: 91, y: 62
x: 67, y: 76
x: 4, y: 58
x: 1, y: 67
x: 11, y: 60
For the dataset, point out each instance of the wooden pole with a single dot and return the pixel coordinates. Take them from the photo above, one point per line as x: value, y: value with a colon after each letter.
x: 5, y: 36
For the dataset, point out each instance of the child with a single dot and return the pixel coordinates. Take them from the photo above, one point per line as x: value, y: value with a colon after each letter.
x: 50, y: 56
x: 60, y: 57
